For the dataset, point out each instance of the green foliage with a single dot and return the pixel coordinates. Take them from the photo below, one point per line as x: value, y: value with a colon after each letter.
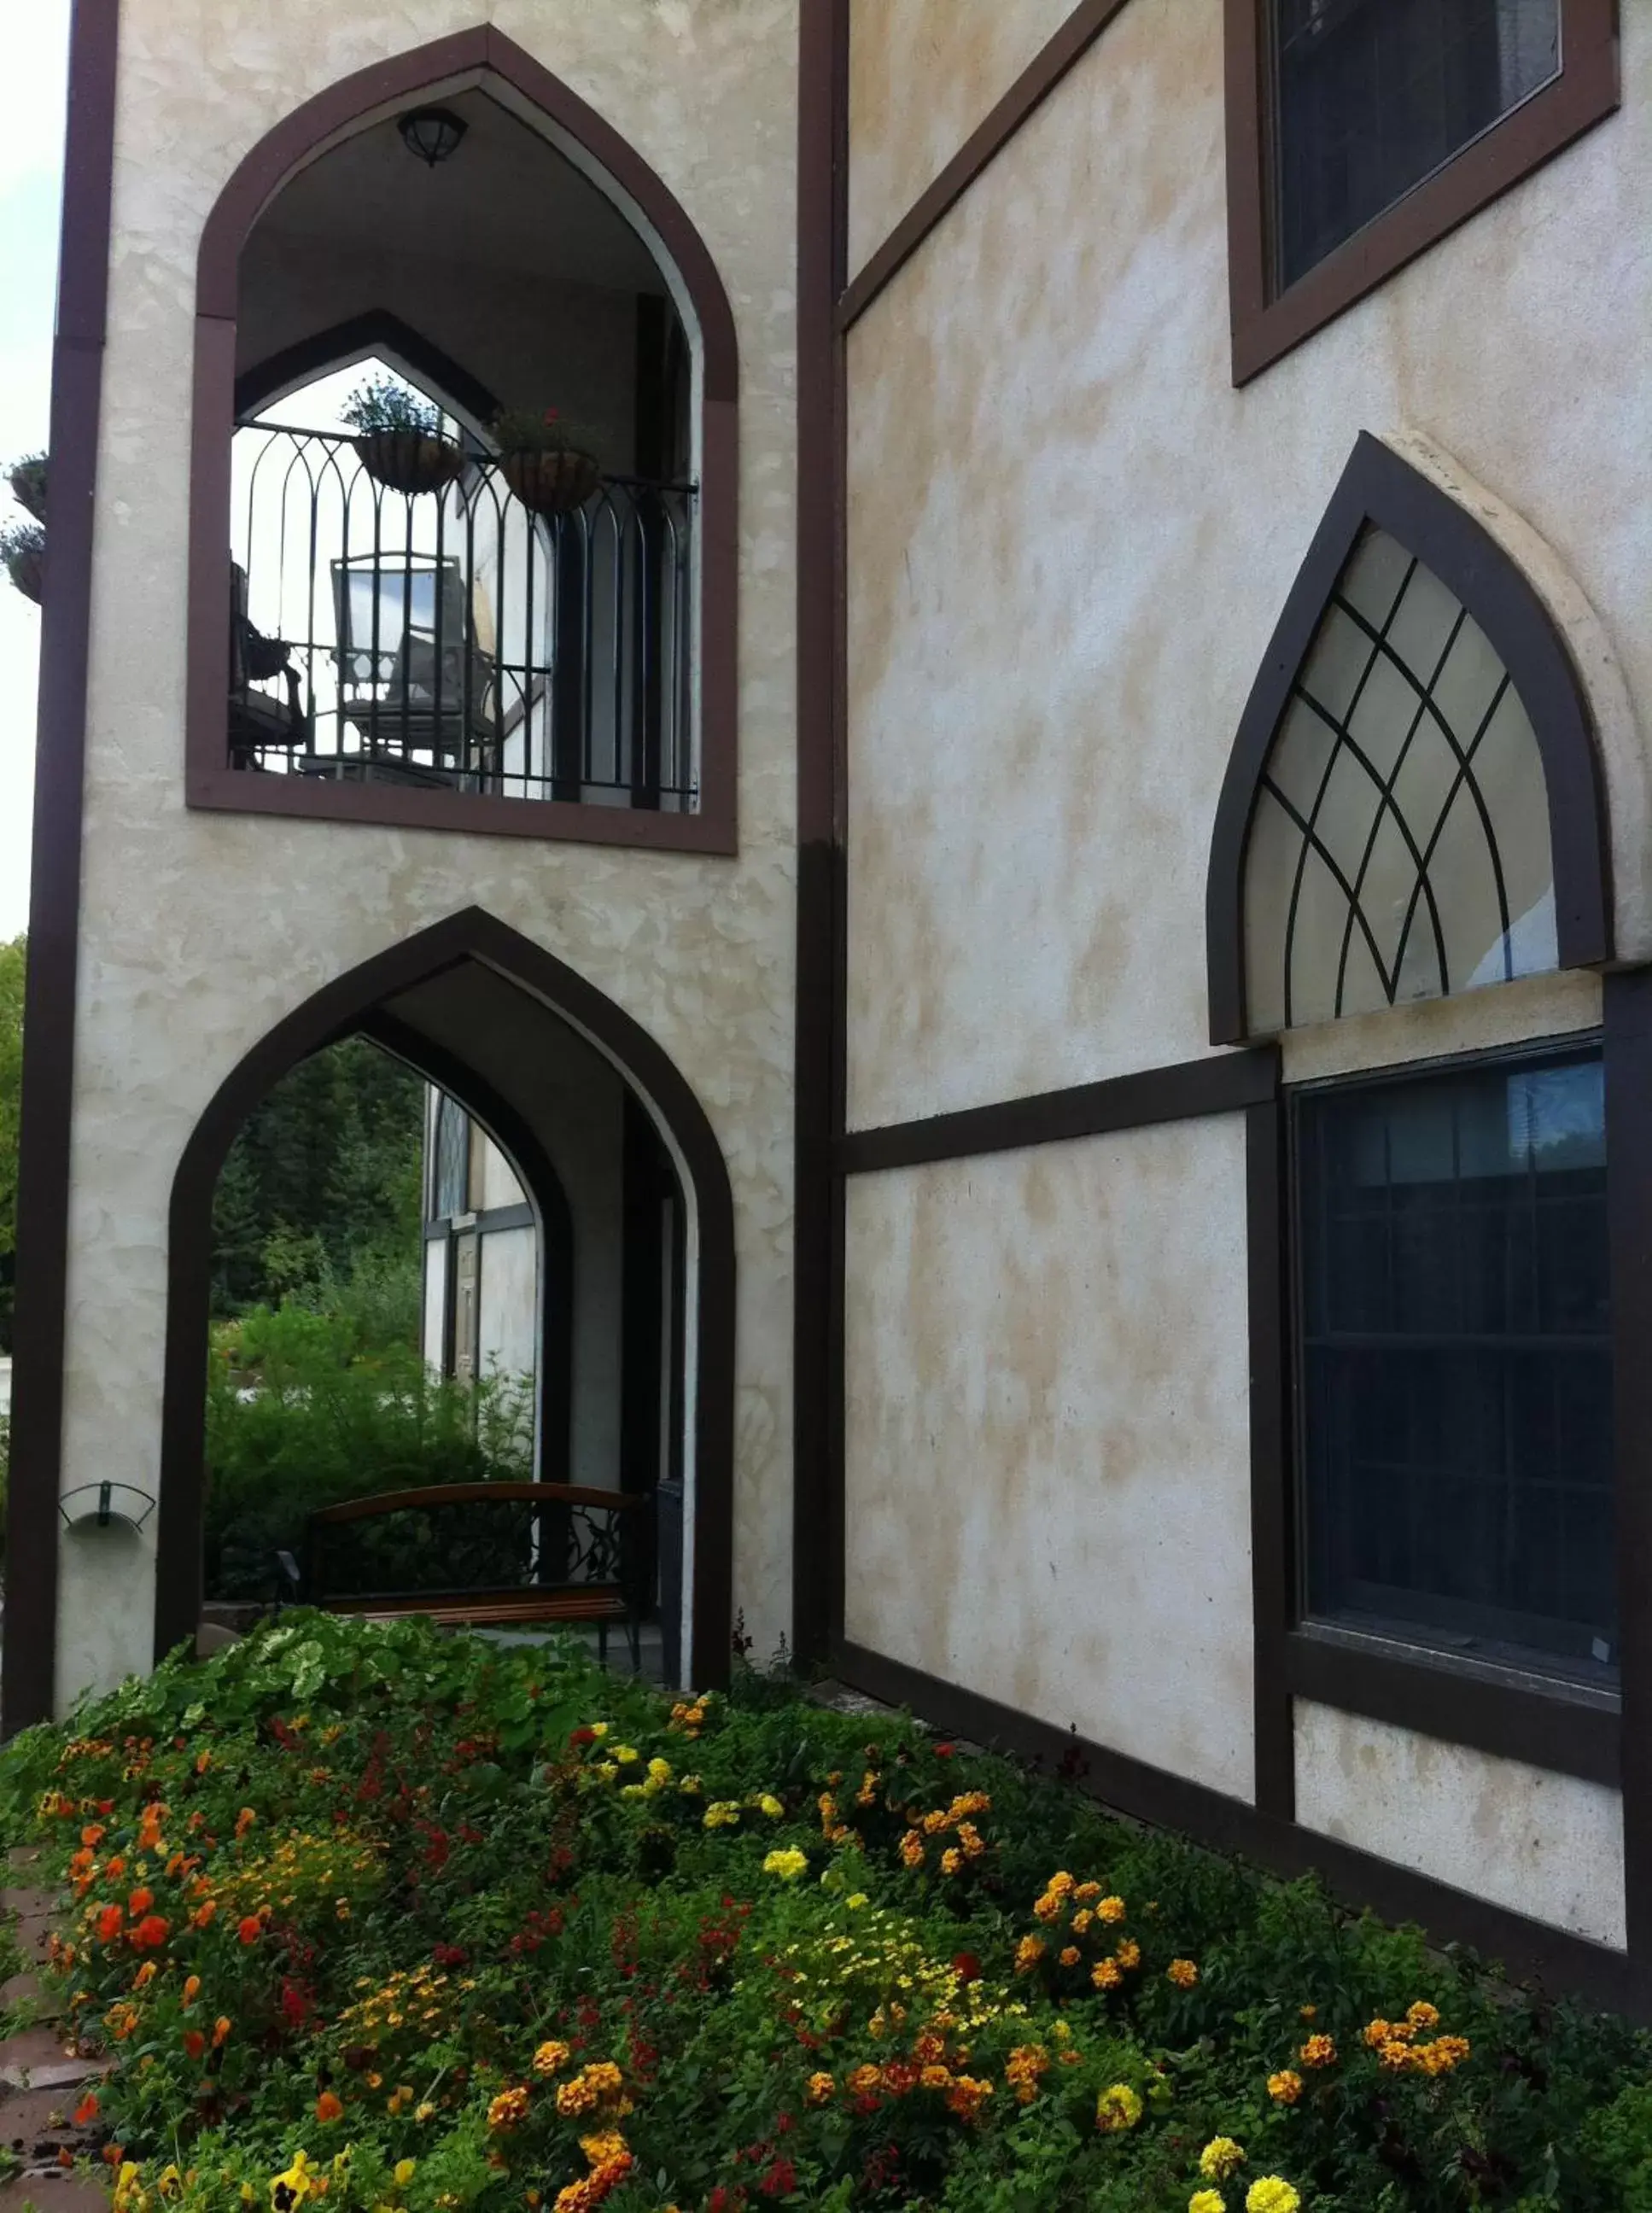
x: 27, y: 478
x: 22, y: 545
x: 305, y: 1407
x: 13, y: 963
x: 385, y: 402
x: 428, y: 1884
x: 533, y: 430
x: 319, y: 1196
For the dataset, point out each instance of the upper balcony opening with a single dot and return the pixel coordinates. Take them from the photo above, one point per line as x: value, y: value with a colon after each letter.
x: 485, y: 578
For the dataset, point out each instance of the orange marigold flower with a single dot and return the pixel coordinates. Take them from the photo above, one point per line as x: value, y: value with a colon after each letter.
x: 244, y: 1820
x: 1028, y: 1953
x: 329, y: 2106
x: 191, y: 1988
x: 1110, y: 1909
x: 550, y: 2057
x: 510, y: 2107
x: 220, y: 2031
x: 151, y: 1932
x: 93, y: 1835
x: 249, y: 1928
x: 911, y: 1850
x: 862, y: 2079
x: 951, y: 1860
x: 1319, y: 2051
x: 1107, y: 1974
x: 203, y: 1916
x: 1422, y: 2015
x: 967, y: 2097
x: 572, y: 2099
x: 1183, y: 1973
x: 1070, y: 1956
x: 819, y: 2088
x: 1285, y: 2088
x: 1128, y: 1953
x: 117, y: 1867
x: 145, y: 1976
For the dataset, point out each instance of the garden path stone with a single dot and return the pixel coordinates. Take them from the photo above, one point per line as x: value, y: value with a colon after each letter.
x: 35, y: 2124
x: 24, y: 1989
x: 54, y: 2190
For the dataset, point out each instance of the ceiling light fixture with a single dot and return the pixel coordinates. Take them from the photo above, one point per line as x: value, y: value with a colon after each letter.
x: 432, y: 133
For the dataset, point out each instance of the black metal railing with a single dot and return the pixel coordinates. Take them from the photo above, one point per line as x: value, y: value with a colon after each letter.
x: 454, y: 638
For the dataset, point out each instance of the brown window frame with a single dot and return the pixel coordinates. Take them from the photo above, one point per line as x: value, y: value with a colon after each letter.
x: 1267, y: 324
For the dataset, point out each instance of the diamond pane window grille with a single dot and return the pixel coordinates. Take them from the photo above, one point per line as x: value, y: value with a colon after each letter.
x: 1400, y: 847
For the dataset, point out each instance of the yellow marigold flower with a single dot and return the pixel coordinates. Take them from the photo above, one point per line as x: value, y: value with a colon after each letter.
x: 1117, y: 2108
x: 787, y: 1865
x: 598, y: 1728
x: 1422, y: 2015
x: 1128, y: 1952
x: 951, y: 1860
x: 820, y: 2088
x: 550, y: 2057
x: 405, y: 2170
x: 1455, y: 2049
x: 1086, y: 1892
x: 1060, y: 1884
x: 1380, y: 2032
x: 911, y: 1849
x: 1111, y: 1909
x: 936, y: 2077
x: 932, y: 1824
x: 604, y: 2148
x: 1220, y: 2158
x: 1271, y: 2195
x: 862, y: 2079
x: 967, y: 2095
x: 1107, y: 1974
x: 1395, y: 2054
x: 723, y: 1813
x: 856, y: 1899
x: 1319, y: 2051
x: 509, y: 2108
x: 769, y: 1804
x: 1207, y: 2201
x: 1285, y: 2088
x: 1028, y: 1953
x: 1081, y: 1920
x: 659, y: 1770
x: 1307, y: 2013
x: 1025, y: 2065
x: 1183, y: 1973
x: 1070, y: 1956
x: 572, y: 2099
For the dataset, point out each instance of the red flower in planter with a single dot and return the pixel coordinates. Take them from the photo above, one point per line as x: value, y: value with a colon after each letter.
x: 967, y: 1968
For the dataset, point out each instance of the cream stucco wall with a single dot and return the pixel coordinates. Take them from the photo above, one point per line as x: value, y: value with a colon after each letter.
x: 1070, y: 537
x: 1550, y: 1846
x: 921, y: 74
x: 1048, y: 1487
x: 200, y: 931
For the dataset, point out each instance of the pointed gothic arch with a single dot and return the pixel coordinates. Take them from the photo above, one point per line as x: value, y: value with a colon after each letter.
x: 378, y: 331
x: 483, y: 56
x: 352, y: 1003
x: 1387, y: 518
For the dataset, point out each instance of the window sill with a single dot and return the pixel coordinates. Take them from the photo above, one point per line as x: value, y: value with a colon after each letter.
x: 238, y: 791
x: 1571, y: 1728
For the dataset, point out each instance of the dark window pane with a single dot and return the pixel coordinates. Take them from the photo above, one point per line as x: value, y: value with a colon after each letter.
x: 451, y: 1195
x: 1371, y: 96
x: 1456, y: 1446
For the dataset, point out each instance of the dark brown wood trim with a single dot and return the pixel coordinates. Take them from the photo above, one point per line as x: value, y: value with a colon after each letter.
x: 817, y: 1484
x: 471, y: 56
x: 1567, y: 1730
x: 1272, y: 1552
x: 548, y: 1213
x: 1378, y: 487
x: 1222, y: 1083
x: 1526, y: 1949
x: 378, y: 331
x: 1627, y: 1054
x: 1070, y: 43
x: 339, y: 1009
x: 1265, y: 326
x: 27, y: 1689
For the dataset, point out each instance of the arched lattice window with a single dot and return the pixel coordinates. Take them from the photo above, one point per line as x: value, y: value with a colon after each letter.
x: 450, y: 1180
x: 1413, y: 806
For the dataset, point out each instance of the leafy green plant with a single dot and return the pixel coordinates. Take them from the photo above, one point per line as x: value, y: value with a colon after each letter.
x: 385, y: 402
x: 22, y: 551
x: 27, y: 478
x: 534, y: 430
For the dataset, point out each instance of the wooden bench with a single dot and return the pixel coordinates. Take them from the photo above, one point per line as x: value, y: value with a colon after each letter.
x: 449, y: 1552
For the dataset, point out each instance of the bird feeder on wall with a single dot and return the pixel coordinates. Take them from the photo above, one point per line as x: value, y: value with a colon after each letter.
x: 106, y: 1506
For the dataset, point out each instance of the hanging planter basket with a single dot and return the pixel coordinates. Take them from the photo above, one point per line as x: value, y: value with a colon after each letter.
x: 26, y: 566
x: 410, y: 461
x: 551, y: 480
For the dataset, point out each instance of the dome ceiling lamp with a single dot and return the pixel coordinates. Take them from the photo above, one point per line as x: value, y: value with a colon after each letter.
x: 432, y: 133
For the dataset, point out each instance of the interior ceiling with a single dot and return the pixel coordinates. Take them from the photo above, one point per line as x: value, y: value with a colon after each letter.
x: 506, y: 199
x: 481, y: 1018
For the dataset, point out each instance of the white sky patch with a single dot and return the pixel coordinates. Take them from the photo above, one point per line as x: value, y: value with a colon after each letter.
x: 33, y: 48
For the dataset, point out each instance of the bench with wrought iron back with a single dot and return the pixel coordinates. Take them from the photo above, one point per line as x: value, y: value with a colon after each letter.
x: 485, y: 1556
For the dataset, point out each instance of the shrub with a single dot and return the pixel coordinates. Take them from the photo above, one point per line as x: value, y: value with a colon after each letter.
x: 305, y: 1408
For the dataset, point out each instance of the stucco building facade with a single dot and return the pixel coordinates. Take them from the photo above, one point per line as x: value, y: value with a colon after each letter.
x: 1164, y: 682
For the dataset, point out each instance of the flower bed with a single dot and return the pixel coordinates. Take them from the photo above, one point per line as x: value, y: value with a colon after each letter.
x: 407, y: 1923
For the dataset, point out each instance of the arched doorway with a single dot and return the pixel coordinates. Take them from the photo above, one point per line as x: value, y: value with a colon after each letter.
x: 484, y: 1012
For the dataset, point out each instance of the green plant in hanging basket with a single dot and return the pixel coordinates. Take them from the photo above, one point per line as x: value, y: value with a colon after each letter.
x: 22, y: 555
x: 27, y: 478
x: 545, y: 460
x: 400, y: 441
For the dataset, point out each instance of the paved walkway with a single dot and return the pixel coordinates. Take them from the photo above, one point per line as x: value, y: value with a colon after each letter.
x: 44, y: 2074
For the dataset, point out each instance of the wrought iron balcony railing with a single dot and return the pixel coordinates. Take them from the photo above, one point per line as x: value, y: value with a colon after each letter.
x: 454, y: 639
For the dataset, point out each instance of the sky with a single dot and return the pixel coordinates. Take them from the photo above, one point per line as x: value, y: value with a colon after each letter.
x: 33, y: 43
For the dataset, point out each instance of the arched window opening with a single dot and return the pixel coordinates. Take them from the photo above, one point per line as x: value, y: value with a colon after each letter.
x: 1412, y: 808
x: 481, y: 488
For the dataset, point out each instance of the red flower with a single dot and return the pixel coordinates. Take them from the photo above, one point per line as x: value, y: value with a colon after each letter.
x: 967, y: 1968
x: 87, y: 2109
x: 109, y: 1922
x: 780, y: 2180
x: 194, y: 2043
x: 945, y: 1751
x: 329, y: 2106
x: 150, y: 1932
x: 250, y: 1929
x: 140, y: 1902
